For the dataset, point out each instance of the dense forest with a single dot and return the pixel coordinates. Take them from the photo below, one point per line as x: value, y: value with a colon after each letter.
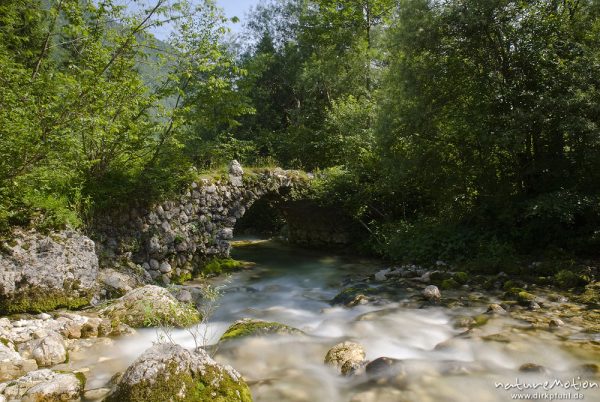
x: 461, y: 130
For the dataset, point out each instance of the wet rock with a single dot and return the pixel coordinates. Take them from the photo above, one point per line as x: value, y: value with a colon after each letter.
x: 12, y: 364
x: 358, y: 300
x: 47, y: 351
x: 42, y: 273
x: 532, y: 368
x: 45, y: 386
x: 383, y: 366
x: 555, y: 323
x: 251, y: 327
x: 431, y: 293
x: 496, y: 338
x: 348, y: 294
x: 345, y: 357
x: 495, y: 309
x: 150, y: 306
x: 382, y: 275
x: 464, y: 322
x: 166, y: 371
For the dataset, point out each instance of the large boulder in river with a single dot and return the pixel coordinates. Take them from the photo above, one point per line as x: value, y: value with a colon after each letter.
x: 169, y: 372
x: 431, y: 293
x: 41, y: 273
x: 151, y: 306
x: 250, y: 327
x: 346, y: 357
x: 44, y: 386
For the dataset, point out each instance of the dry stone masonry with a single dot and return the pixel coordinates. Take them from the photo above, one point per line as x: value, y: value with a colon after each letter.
x: 173, y: 238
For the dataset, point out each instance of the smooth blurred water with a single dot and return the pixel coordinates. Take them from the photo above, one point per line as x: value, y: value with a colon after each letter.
x: 294, y: 287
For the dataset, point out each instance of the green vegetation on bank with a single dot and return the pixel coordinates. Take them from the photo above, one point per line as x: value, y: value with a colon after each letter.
x: 95, y: 112
x: 462, y: 131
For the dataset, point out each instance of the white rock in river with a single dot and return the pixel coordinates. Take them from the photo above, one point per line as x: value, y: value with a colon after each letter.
x: 432, y: 293
x: 345, y: 357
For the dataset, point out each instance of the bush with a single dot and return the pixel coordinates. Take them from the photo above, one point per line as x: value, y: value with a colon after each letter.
x: 569, y: 279
x: 428, y: 241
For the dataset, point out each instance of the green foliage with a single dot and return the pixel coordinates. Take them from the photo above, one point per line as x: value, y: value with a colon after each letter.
x: 569, y: 279
x: 82, y: 130
x: 486, y: 119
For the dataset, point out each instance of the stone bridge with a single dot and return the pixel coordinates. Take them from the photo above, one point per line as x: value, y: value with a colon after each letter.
x: 173, y: 238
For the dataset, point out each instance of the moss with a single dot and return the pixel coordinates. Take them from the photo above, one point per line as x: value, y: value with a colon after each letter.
x: 40, y: 301
x: 4, y: 341
x: 228, y: 390
x: 461, y: 277
x: 181, y: 279
x: 349, y: 294
x: 246, y: 328
x: 513, y: 293
x: 218, y: 266
x: 211, y: 385
x: 591, y: 295
x: 449, y: 284
x: 525, y: 297
x: 480, y: 320
x: 81, y: 377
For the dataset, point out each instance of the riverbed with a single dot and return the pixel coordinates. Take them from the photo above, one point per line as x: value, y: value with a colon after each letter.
x: 439, y: 361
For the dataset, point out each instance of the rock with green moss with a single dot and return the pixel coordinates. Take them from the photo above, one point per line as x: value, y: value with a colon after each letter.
x: 591, y: 294
x: 348, y: 295
x: 151, y: 306
x: 45, y: 386
x: 169, y: 372
x: 250, y: 327
x: 461, y: 277
x: 520, y: 295
x: 42, y: 273
x: 218, y: 266
x: 448, y: 284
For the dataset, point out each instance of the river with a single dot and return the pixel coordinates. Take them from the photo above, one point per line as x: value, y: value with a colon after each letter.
x: 294, y: 287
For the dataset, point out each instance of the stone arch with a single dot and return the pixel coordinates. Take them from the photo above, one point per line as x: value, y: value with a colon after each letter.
x: 171, y: 239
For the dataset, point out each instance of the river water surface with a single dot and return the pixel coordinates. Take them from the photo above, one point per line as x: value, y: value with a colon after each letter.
x: 294, y: 287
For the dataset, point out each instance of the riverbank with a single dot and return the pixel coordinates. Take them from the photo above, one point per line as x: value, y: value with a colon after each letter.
x: 486, y: 330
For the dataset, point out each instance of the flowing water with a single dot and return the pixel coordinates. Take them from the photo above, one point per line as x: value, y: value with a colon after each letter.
x: 294, y: 287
